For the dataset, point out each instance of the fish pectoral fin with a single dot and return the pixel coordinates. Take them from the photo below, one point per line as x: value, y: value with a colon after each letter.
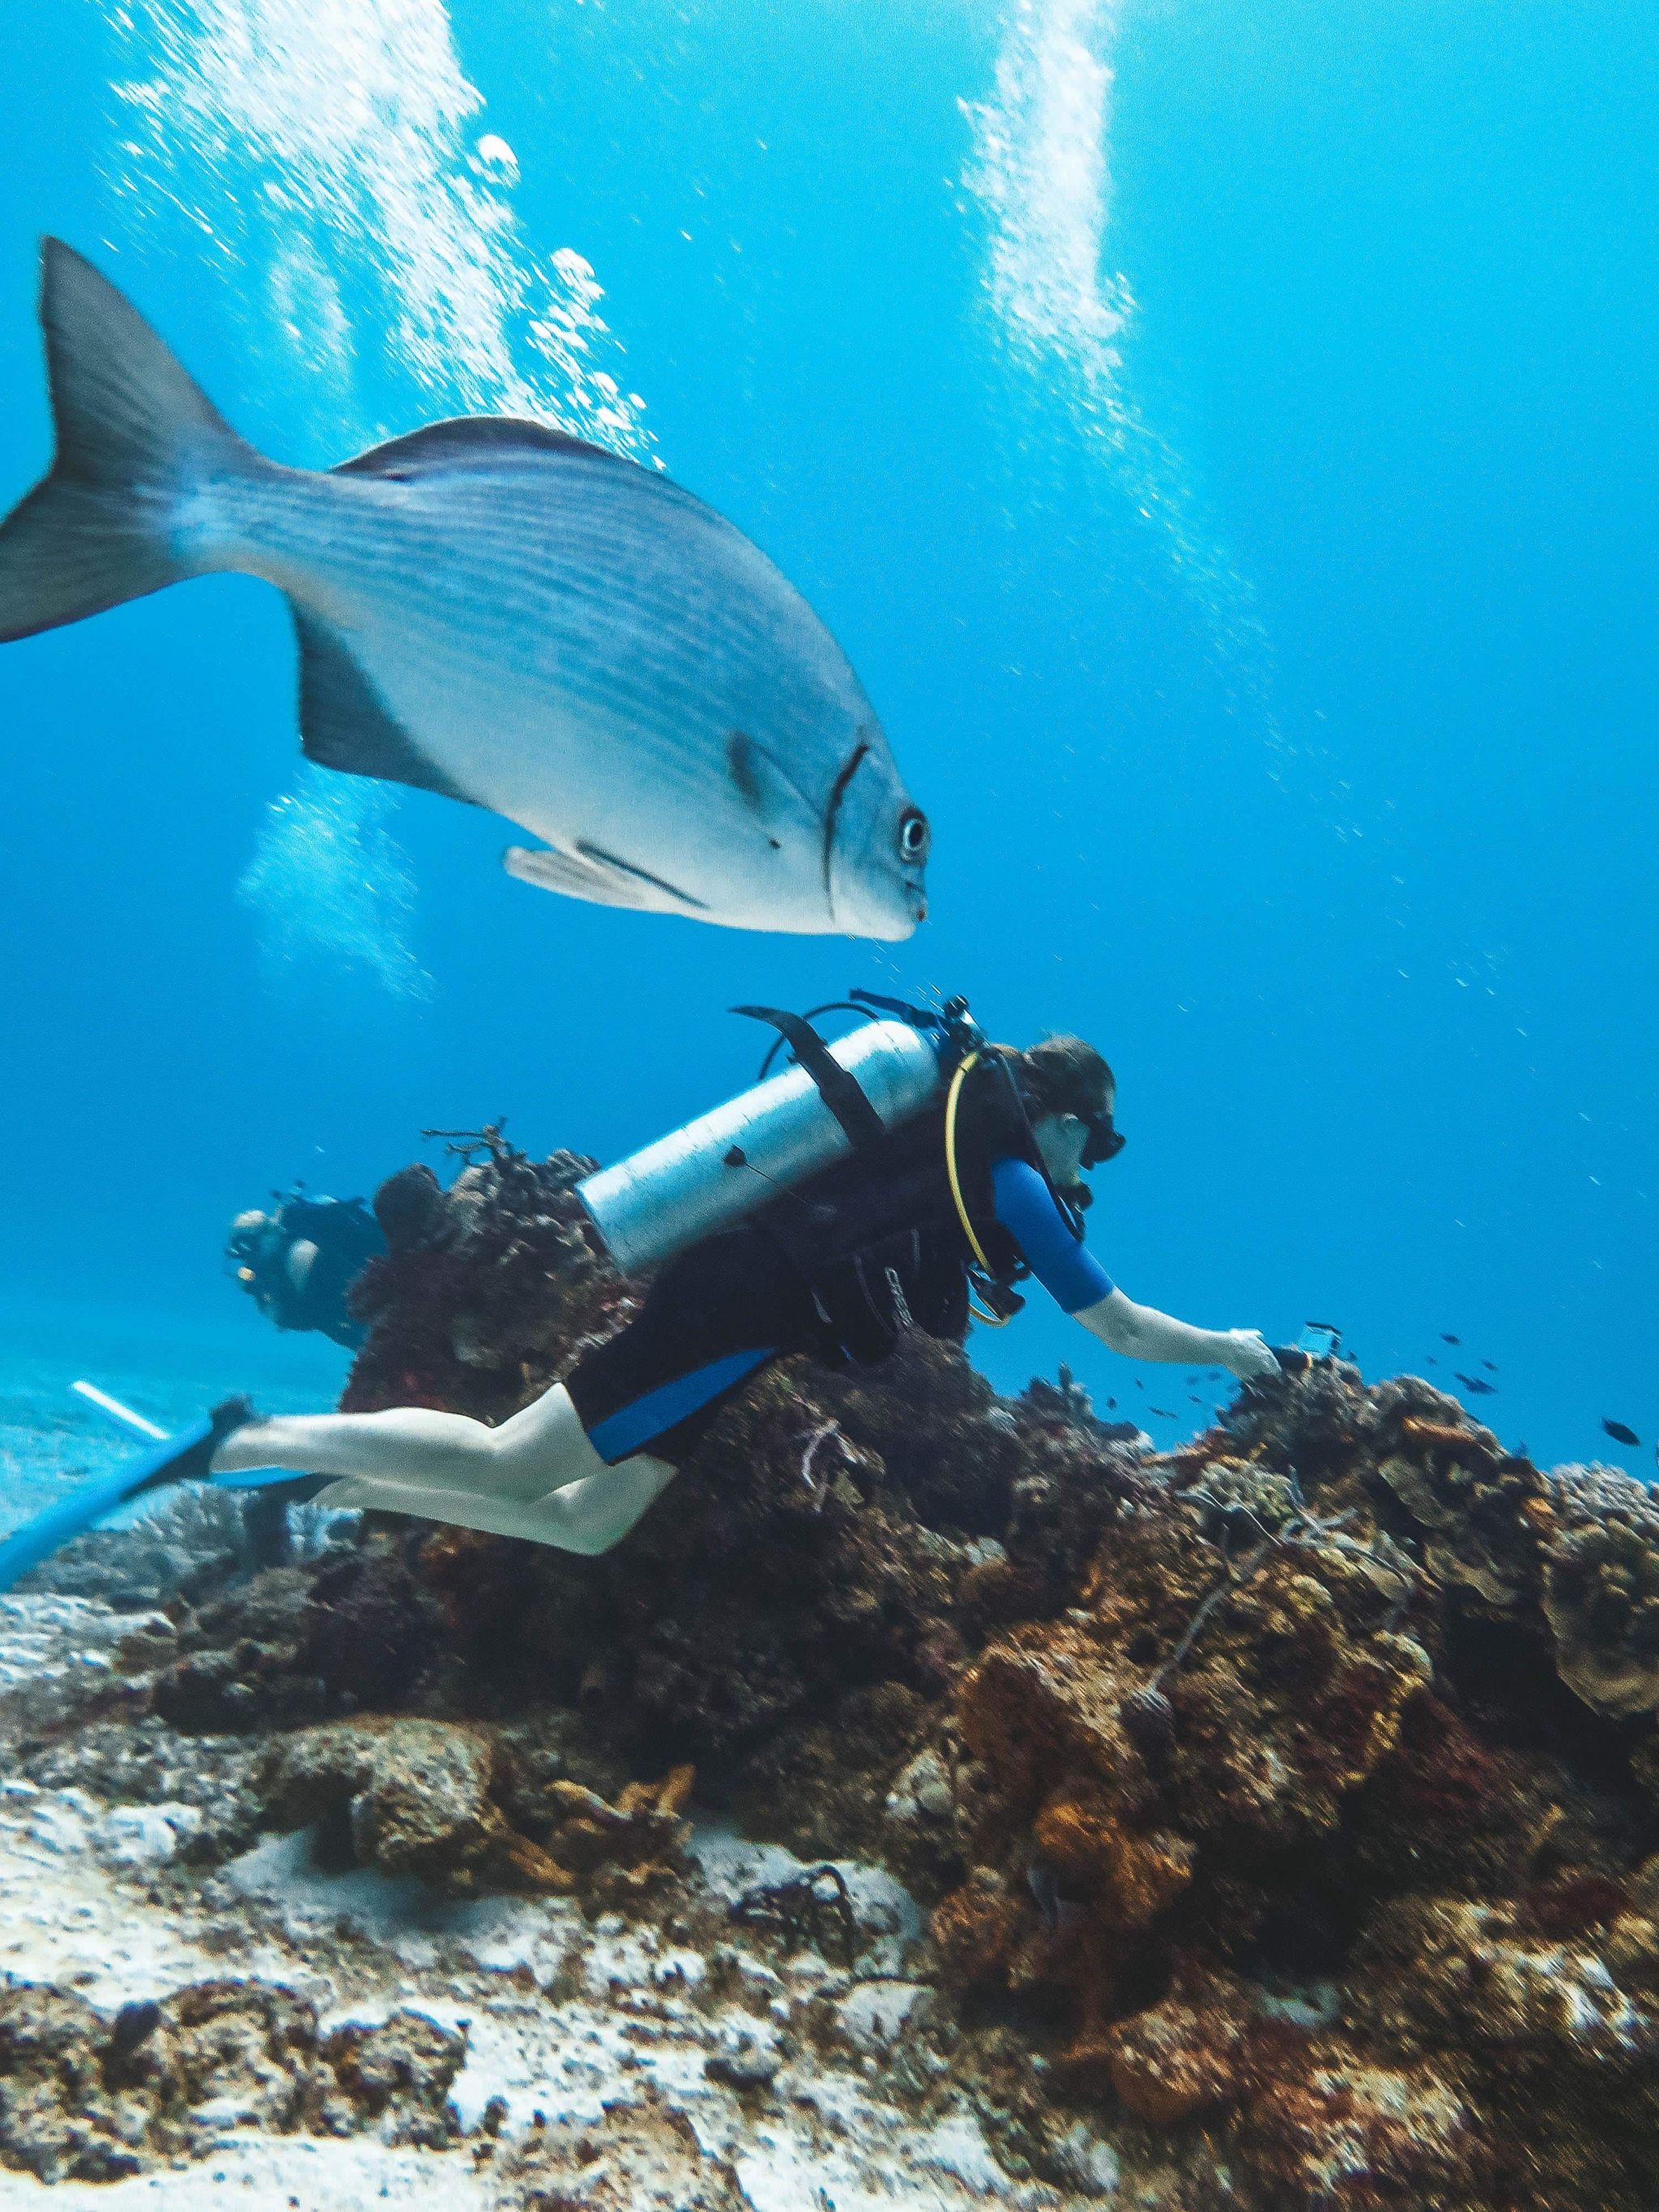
x: 763, y: 782
x: 345, y: 724
x: 598, y: 877
x: 563, y: 872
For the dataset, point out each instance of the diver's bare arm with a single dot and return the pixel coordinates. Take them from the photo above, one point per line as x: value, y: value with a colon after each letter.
x: 539, y: 1449
x: 1143, y: 1332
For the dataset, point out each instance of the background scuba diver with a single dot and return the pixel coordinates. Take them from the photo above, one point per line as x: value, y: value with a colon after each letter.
x: 967, y: 1196
x: 298, y: 1261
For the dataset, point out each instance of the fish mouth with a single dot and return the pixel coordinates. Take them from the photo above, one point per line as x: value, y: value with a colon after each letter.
x: 887, y: 912
x: 890, y: 924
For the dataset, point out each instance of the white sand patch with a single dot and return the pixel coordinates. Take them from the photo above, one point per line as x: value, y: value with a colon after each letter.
x: 266, y: 2173
x: 65, y: 1917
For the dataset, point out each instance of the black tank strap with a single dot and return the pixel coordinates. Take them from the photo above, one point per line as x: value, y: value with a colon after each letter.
x: 840, y: 1091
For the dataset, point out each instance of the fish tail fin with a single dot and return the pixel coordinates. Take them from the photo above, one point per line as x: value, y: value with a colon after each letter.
x: 135, y: 434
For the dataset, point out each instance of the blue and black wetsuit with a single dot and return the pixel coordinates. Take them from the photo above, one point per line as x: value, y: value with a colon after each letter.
x: 345, y: 1236
x: 890, y: 1256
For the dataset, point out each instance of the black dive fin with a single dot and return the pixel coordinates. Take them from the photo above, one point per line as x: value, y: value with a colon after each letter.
x: 345, y: 724
x: 134, y: 430
x: 184, y: 1458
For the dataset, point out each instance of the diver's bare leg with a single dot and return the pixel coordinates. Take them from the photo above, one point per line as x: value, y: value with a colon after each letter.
x: 589, y: 1516
x: 542, y: 1448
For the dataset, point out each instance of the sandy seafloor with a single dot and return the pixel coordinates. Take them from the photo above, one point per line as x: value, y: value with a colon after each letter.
x: 92, y: 1903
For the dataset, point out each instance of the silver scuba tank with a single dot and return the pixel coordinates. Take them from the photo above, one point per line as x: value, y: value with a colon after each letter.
x: 710, y: 1174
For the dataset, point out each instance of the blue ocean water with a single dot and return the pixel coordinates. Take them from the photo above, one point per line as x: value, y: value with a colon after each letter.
x: 1225, y: 441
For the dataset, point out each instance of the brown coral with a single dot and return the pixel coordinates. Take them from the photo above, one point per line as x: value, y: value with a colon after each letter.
x: 1188, y: 2053
x: 977, y: 1928
x: 428, y: 1798
x: 490, y: 1285
x: 622, y: 1852
x: 1601, y: 1588
x: 1346, y: 2136
x: 1246, y: 1697
x: 411, y: 1797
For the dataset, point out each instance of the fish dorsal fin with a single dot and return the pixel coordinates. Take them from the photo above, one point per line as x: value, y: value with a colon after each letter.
x: 598, y: 877
x: 345, y: 724
x: 466, y: 439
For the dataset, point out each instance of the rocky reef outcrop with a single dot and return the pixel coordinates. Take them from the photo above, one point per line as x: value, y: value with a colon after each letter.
x: 86, y: 2096
x: 1317, y: 1821
x: 448, y: 1802
x: 1286, y: 1807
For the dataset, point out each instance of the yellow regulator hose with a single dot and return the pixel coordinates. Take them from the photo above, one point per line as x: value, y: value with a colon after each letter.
x: 953, y: 1101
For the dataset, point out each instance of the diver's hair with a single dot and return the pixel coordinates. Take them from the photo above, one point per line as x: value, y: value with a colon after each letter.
x: 1063, y: 1075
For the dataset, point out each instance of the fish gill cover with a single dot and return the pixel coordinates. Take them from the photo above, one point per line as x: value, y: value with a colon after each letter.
x: 317, y: 155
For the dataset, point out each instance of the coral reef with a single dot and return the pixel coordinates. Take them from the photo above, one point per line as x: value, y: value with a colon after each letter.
x: 1283, y: 1825
x: 441, y: 1800
x: 493, y: 1286
x: 642, y: 2156
x: 1601, y: 1588
x: 1285, y: 1807
x: 353, y: 1628
x: 189, y: 1546
x: 406, y: 1795
x: 86, y: 2097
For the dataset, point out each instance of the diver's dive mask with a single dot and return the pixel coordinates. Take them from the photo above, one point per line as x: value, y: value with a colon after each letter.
x: 1105, y: 1140
x: 254, y: 1247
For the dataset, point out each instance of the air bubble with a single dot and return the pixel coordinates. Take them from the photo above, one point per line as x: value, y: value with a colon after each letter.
x: 494, y: 158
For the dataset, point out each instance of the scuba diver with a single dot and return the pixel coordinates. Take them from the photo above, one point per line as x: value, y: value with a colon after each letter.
x: 298, y: 1261
x: 905, y: 1176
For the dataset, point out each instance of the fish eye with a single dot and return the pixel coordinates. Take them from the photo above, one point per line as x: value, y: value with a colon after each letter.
x: 914, y: 834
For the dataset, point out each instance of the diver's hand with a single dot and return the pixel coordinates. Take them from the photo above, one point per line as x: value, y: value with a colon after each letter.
x: 1244, y: 1350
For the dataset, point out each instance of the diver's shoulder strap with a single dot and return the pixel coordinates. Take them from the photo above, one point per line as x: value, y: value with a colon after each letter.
x: 840, y: 1091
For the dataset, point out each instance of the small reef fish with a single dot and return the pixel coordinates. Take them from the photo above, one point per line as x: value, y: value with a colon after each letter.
x: 494, y: 611
x: 1163, y: 1411
x: 1058, y: 1912
x: 1444, y: 1339
x: 1481, y: 1389
x: 1620, y: 1433
x: 1491, y: 1366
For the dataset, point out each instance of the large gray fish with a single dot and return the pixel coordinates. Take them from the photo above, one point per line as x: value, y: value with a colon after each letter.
x: 491, y: 610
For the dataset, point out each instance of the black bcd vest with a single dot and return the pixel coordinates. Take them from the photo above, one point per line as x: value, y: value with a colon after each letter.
x: 878, y: 1238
